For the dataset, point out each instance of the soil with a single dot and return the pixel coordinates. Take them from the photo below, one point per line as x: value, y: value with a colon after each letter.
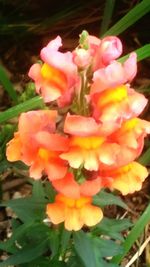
x: 19, y: 50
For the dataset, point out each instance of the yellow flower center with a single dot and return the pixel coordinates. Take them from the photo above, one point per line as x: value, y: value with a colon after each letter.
x: 73, y: 203
x: 122, y: 170
x: 112, y: 95
x: 91, y: 142
x: 54, y: 76
x: 44, y: 154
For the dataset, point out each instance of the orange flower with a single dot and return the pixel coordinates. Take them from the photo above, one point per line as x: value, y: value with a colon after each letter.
x: 75, y: 213
x: 117, y: 104
x: 88, y: 145
x: 126, y: 179
x: 130, y: 139
x: 37, y: 145
x: 70, y: 187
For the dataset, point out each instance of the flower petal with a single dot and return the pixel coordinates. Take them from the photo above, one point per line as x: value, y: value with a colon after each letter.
x: 91, y: 215
x: 131, y: 180
x: 56, y: 212
x: 73, y: 220
x: 67, y: 186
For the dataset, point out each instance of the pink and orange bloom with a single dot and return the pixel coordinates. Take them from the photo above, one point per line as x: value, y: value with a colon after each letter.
x: 96, y: 143
x: 37, y: 144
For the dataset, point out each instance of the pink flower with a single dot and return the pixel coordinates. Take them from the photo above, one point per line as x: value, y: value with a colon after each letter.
x: 57, y: 78
x: 117, y: 104
x: 108, y: 49
x: 114, y: 74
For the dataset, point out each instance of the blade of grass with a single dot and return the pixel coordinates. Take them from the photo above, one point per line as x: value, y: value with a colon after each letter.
x: 108, y: 11
x: 130, y: 18
x: 134, y: 234
x: 142, y: 53
x: 10, y: 113
x: 4, y: 80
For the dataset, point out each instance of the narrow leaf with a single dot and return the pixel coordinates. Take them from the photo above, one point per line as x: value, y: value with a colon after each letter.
x: 108, y: 11
x: 112, y: 228
x: 142, y: 53
x: 134, y: 234
x: 84, y: 248
x: 38, y: 190
x: 4, y: 80
x: 26, y: 254
x: 104, y: 198
x: 106, y: 248
x: 145, y: 158
x: 130, y: 18
x: 27, y: 209
x: 65, y: 237
x: 23, y: 107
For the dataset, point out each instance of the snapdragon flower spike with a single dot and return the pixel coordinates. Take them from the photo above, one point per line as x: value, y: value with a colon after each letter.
x: 75, y: 213
x: 37, y: 144
x: 57, y: 77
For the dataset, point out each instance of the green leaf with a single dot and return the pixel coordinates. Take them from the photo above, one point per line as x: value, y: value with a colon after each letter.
x: 39, y: 262
x: 92, y: 250
x: 142, y: 53
x: 50, y: 192
x: 108, y: 11
x: 4, y: 80
x: 103, y: 263
x: 38, y: 190
x: 5, y: 164
x: 104, y: 198
x: 74, y: 261
x: 145, y: 158
x: 26, y: 234
x: 26, y: 254
x: 112, y: 227
x: 65, y: 238
x: 106, y: 247
x: 27, y: 209
x: 10, y: 113
x: 130, y: 18
x: 54, y: 242
x: 56, y: 263
x: 84, y: 248
x: 9, y: 245
x: 134, y: 234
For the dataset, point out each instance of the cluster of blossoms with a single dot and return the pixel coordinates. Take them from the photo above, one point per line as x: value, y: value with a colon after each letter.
x: 91, y: 137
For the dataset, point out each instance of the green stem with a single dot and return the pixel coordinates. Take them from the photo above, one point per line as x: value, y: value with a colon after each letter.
x: 134, y: 235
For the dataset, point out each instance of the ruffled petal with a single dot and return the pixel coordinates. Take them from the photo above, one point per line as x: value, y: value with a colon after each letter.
x: 13, y: 150
x: 67, y: 186
x: 130, y: 180
x: 56, y: 212
x: 91, y: 215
